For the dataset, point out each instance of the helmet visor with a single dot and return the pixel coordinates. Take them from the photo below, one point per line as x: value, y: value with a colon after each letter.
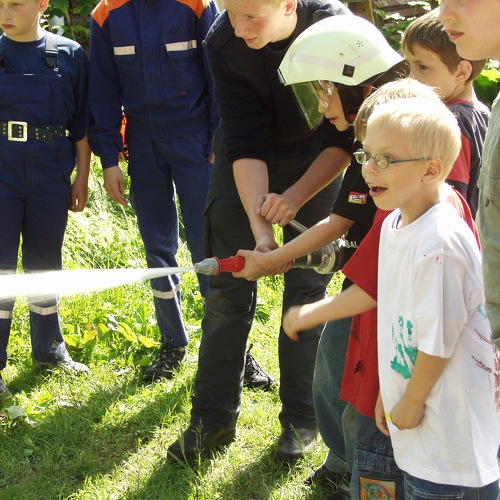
x: 313, y: 99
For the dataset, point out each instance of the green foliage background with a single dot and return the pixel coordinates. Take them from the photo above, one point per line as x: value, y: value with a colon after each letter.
x: 105, y: 435
x: 76, y: 14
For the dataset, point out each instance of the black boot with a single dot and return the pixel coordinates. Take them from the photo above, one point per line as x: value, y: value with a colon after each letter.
x: 294, y: 442
x: 199, y: 439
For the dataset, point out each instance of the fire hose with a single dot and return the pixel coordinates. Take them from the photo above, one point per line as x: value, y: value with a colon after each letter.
x: 328, y: 259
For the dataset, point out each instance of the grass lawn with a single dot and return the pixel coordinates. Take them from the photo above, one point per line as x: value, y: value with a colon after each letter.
x: 105, y: 435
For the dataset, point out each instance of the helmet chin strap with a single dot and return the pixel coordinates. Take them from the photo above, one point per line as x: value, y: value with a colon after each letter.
x: 351, y: 98
x: 350, y: 116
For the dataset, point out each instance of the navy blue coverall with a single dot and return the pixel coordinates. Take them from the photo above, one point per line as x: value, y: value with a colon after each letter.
x: 43, y: 87
x: 147, y: 59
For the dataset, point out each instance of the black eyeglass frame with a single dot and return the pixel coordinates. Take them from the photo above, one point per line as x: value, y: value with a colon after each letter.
x: 363, y: 157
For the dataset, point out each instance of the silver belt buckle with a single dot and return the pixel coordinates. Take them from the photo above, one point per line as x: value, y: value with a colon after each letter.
x: 17, y: 127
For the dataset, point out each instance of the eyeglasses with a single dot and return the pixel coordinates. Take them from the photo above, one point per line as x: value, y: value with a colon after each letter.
x: 324, y: 90
x: 323, y: 86
x: 382, y: 161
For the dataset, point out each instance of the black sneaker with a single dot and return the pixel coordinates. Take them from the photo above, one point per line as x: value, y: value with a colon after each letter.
x: 167, y: 360
x: 255, y: 377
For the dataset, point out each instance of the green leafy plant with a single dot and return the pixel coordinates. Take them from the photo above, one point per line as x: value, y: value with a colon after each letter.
x: 487, y: 84
x: 392, y: 24
x: 76, y: 14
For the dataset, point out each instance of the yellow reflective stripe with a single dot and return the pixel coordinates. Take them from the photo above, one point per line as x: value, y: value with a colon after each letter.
x: 43, y: 311
x: 125, y: 50
x: 178, y: 46
x: 167, y: 295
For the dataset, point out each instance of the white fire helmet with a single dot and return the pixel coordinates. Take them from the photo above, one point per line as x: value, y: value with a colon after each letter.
x: 343, y: 49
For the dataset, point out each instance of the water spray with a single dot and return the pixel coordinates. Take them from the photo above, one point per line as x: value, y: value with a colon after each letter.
x: 45, y: 285
x: 64, y: 283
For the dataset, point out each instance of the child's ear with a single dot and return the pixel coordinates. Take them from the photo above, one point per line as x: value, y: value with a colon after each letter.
x: 433, y: 170
x: 43, y: 4
x: 290, y: 7
x: 367, y: 90
x: 464, y: 70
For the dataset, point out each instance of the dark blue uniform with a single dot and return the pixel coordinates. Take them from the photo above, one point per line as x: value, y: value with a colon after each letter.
x: 43, y: 112
x: 146, y: 57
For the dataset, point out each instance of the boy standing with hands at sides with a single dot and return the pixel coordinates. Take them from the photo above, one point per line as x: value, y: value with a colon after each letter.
x: 147, y: 61
x: 434, y: 60
x: 43, y: 134
x: 374, y: 461
x: 471, y: 27
x: 438, y: 371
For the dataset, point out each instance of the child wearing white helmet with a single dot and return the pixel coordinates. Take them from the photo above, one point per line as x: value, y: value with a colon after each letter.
x: 351, y: 53
x: 331, y: 68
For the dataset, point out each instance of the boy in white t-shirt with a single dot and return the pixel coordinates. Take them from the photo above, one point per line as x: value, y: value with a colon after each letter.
x: 439, y: 372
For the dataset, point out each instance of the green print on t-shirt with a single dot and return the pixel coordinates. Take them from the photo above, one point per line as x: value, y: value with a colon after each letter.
x: 406, y: 354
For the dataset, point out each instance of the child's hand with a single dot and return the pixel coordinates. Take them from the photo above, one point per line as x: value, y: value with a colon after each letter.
x: 79, y: 194
x: 407, y: 414
x: 256, y: 267
x: 114, y: 184
x: 380, y: 417
x: 292, y: 322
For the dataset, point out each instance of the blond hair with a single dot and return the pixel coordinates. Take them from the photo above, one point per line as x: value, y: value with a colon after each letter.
x: 429, y: 128
x: 397, y: 89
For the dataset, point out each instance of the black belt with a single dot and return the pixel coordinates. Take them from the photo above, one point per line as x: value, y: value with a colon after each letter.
x: 21, y: 132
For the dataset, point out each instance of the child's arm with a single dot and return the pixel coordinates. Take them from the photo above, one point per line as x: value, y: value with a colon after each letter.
x: 410, y: 409
x: 79, y: 188
x: 381, y: 417
x: 347, y: 303
x: 259, y: 264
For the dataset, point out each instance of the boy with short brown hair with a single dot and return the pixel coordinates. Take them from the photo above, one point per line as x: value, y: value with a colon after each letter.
x: 434, y: 60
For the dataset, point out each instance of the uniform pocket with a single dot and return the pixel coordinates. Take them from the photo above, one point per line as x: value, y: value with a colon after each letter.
x: 26, y: 100
x: 489, y: 188
x: 25, y: 92
x: 203, y: 137
x: 66, y: 158
x: 184, y: 65
x: 128, y: 64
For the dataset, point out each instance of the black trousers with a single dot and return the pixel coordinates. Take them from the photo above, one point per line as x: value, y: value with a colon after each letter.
x: 230, y: 302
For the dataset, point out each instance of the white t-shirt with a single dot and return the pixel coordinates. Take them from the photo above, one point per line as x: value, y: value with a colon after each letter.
x: 430, y: 299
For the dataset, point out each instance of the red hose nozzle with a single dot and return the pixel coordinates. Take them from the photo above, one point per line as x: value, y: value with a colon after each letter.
x: 214, y: 266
